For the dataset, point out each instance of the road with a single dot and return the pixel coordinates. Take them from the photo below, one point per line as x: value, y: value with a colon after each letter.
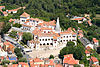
x: 16, y: 44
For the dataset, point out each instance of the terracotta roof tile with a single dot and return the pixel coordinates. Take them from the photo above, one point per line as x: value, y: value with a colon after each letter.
x: 95, y: 40
x: 37, y: 60
x: 25, y: 15
x: 94, y: 59
x: 87, y: 52
x: 70, y: 60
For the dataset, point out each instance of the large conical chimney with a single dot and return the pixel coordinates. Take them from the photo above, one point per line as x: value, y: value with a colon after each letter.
x: 57, y: 29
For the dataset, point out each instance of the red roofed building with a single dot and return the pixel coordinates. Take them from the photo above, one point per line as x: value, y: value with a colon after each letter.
x: 69, y: 61
x: 37, y: 62
x: 5, y: 13
x: 14, y: 65
x: 23, y: 64
x: 95, y: 41
x: 11, y: 20
x: 89, y: 22
x: 80, y: 34
x: 94, y: 60
x: 12, y: 11
x: 8, y: 47
x: 68, y: 35
x: 24, y: 17
x: 2, y: 7
x: 79, y: 19
x: 87, y: 52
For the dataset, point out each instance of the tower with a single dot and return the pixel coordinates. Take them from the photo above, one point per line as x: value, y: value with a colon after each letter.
x: 57, y: 28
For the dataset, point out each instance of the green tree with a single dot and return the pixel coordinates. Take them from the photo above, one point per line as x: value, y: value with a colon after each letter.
x: 13, y: 34
x: 70, y: 43
x: 6, y: 28
x: 22, y: 60
x: 76, y: 65
x: 5, y: 62
x: 51, y: 57
x: 18, y: 53
x: 26, y: 37
x: 77, y: 51
x: 17, y: 25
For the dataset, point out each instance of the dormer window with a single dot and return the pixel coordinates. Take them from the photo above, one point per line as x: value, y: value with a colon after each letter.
x: 44, y: 31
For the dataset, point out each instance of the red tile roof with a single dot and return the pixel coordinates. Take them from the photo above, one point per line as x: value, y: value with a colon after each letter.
x: 94, y: 59
x: 37, y: 60
x: 25, y: 15
x: 89, y: 23
x: 95, y: 40
x: 87, y: 52
x: 70, y: 60
x: 5, y: 12
x: 27, y: 25
x: 69, y: 31
x: 14, y: 65
x: 88, y: 48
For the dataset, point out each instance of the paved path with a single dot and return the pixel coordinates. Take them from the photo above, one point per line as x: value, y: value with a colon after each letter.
x: 45, y: 53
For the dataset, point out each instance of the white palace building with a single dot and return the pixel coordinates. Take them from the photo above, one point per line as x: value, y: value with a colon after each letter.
x: 46, y: 33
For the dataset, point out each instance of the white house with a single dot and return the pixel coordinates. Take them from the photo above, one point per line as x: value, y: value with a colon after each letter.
x: 2, y: 52
x: 12, y: 11
x: 24, y: 17
x: 68, y: 35
x: 34, y: 44
x: 90, y: 45
x: 95, y: 42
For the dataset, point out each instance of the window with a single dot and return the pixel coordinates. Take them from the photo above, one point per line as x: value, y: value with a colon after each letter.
x: 48, y: 39
x: 51, y: 43
x: 73, y: 40
x: 23, y: 20
x: 44, y: 31
x: 44, y: 44
x: 33, y: 20
x: 45, y: 39
x: 51, y: 39
x: 61, y: 40
x: 40, y: 39
x: 47, y: 43
x: 74, y: 36
x: 66, y: 36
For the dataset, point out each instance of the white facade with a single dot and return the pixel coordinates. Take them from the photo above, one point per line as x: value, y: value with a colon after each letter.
x: 23, y: 19
x: 68, y: 37
x: 33, y: 44
x: 3, y: 53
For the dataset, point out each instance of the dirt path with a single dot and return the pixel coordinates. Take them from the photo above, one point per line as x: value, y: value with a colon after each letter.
x: 44, y: 53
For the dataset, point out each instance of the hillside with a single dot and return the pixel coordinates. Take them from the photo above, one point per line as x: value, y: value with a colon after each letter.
x: 51, y: 9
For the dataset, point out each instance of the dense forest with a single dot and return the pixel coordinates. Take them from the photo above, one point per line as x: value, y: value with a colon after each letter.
x: 51, y: 9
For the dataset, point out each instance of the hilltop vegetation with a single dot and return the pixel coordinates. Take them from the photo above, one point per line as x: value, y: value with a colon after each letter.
x: 51, y: 9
